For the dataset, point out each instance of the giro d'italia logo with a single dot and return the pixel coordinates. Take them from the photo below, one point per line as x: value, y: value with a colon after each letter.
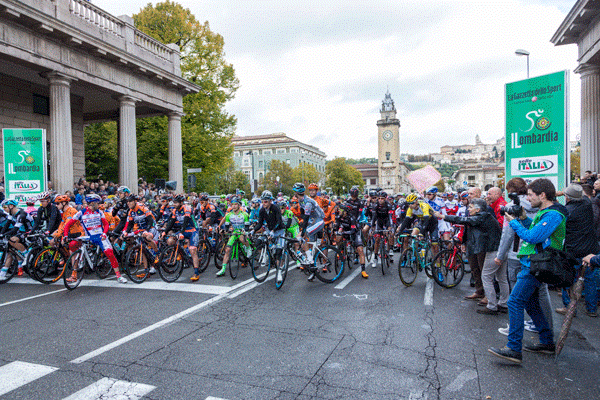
x: 542, y: 123
x: 29, y: 159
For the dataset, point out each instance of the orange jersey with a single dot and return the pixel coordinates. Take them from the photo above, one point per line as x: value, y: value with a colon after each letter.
x: 328, y: 206
x: 67, y: 214
x: 297, y: 212
x: 112, y: 221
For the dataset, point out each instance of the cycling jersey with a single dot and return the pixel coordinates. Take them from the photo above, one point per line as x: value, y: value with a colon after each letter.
x: 209, y: 211
x: 356, y: 206
x: 94, y: 223
x: 451, y: 207
x: 139, y: 217
x: 50, y: 216
x: 20, y: 222
x: 181, y: 220
x: 238, y: 221
x: 427, y: 223
x: 113, y: 222
x: 381, y: 216
x: 348, y: 226
x: 439, y: 205
x: 327, y: 206
x: 75, y: 229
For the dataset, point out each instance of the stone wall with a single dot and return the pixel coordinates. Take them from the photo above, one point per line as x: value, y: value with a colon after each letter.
x: 16, y: 111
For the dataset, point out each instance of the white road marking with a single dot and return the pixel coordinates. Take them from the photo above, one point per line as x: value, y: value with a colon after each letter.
x: 107, y: 389
x: 428, y: 298
x: 461, y: 379
x: 19, y: 373
x: 348, y: 279
x: 214, y: 398
x: 173, y: 318
x: 31, y: 297
x: 356, y: 296
x: 161, y: 285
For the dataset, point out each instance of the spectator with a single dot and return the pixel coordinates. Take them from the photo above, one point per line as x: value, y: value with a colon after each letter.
x: 588, y: 191
x: 547, y: 229
x: 80, y: 196
x: 483, y: 236
x: 497, y: 201
x: 580, y: 240
x: 596, y: 186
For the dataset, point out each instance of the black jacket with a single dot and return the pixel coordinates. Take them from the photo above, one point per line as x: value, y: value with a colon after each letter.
x: 483, y: 233
x: 580, y: 238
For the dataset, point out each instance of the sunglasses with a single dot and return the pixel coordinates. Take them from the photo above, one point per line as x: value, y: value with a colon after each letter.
x: 294, y: 202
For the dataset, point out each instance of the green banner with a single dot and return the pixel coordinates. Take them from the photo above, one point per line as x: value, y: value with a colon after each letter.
x: 24, y: 163
x: 537, y: 137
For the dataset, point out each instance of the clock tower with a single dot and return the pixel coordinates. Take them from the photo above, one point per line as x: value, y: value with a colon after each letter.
x: 389, y: 147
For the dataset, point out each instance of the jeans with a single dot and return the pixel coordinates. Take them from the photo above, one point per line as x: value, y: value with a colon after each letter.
x: 526, y: 296
x: 589, y: 290
x: 513, y: 267
x: 476, y: 262
x: 491, y: 270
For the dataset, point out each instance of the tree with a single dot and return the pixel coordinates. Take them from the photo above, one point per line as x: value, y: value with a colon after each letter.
x: 286, y: 178
x: 440, y: 185
x: 101, y: 158
x: 308, y: 172
x: 576, y: 163
x: 341, y: 176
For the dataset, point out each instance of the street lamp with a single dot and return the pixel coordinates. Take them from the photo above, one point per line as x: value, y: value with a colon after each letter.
x: 279, y: 181
x: 251, y: 153
x: 521, y: 52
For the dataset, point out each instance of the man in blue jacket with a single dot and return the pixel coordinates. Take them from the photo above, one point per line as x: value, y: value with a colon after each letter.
x: 547, y: 228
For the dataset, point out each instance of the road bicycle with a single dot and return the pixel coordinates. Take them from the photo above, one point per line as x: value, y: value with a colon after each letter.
x: 89, y: 257
x: 138, y: 259
x: 173, y: 259
x: 448, y: 266
x: 13, y: 267
x: 48, y: 265
x: 415, y: 258
x: 347, y: 251
x: 238, y: 258
x: 384, y: 248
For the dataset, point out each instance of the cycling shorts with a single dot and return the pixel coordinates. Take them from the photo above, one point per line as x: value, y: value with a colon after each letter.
x: 234, y: 238
x: 294, y: 231
x: 313, y: 229
x: 104, y: 244
x: 381, y: 224
x: 193, y: 237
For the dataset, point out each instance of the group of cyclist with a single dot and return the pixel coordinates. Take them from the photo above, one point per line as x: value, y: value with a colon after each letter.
x: 307, y: 217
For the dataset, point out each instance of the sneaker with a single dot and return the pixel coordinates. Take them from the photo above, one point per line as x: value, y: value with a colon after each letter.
x: 194, y: 278
x: 364, y: 274
x: 507, y: 354
x: 531, y: 328
x: 592, y: 314
x: 373, y: 264
x: 141, y: 275
x: 300, y: 267
x: 152, y: 270
x: 221, y: 272
x: 504, y: 331
x: 440, y: 277
x: 561, y: 310
x: 529, y: 322
x: 279, y: 277
x: 540, y: 348
x: 122, y: 279
x: 392, y: 253
x: 3, y: 272
x: 311, y: 277
x: 503, y: 309
x: 73, y: 277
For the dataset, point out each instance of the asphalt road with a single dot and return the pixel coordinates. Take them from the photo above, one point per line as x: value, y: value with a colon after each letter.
x: 224, y: 339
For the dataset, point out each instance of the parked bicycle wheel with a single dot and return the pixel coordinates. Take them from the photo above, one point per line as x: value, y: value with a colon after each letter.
x: 327, y: 269
x: 261, y: 262
x: 448, y: 268
x: 74, y: 270
x: 170, y: 265
x: 235, y: 262
x: 48, y: 266
x: 220, y: 253
x: 283, y: 269
x: 407, y: 267
x: 136, y: 265
x: 12, y: 268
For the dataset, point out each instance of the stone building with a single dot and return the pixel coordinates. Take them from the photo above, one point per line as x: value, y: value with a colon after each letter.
x: 253, y: 154
x: 582, y: 27
x: 68, y: 63
x: 482, y: 176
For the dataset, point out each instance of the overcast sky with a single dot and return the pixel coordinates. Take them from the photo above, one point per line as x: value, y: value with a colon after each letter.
x: 319, y: 71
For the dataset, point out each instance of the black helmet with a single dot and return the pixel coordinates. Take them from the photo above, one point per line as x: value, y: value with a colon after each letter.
x: 383, y: 194
x: 299, y: 188
x: 130, y: 198
x: 179, y: 198
x: 354, y: 191
x: 372, y: 193
x: 204, y: 197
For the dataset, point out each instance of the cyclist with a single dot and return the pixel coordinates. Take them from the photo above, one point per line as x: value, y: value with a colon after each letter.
x: 75, y: 230
x: 120, y: 209
x: 19, y: 222
x: 346, y: 225
x: 47, y: 215
x: 439, y: 205
x: 271, y: 216
x: 239, y: 222
x: 382, y: 219
x: 292, y: 227
x: 328, y: 207
x: 451, y: 204
x: 166, y: 209
x: 182, y: 223
x: 209, y: 214
x: 254, y: 210
x: 95, y: 226
x: 312, y: 221
x: 421, y: 211
x: 142, y: 219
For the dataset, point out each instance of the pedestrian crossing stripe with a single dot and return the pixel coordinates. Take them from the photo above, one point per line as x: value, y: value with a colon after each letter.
x: 19, y: 373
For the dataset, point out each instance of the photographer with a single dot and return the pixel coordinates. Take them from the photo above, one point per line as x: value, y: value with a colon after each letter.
x: 547, y: 229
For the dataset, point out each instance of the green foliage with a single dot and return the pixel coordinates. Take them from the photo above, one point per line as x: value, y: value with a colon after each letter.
x: 341, y: 176
x: 353, y: 161
x: 306, y: 173
x: 101, y: 151
x: 447, y: 169
x: 419, y: 158
x: 440, y: 185
x: 286, y: 178
x: 576, y: 163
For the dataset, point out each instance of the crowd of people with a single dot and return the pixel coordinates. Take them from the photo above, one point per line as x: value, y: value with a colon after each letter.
x: 498, y: 236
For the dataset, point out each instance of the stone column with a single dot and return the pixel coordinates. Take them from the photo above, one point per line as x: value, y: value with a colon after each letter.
x: 175, y: 151
x: 128, y: 170
x: 61, y: 137
x: 590, y: 117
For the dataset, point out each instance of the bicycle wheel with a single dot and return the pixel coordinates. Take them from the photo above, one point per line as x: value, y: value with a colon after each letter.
x: 47, y: 266
x: 136, y: 264
x: 220, y: 253
x: 170, y: 265
x: 448, y: 269
x: 103, y: 266
x: 407, y: 267
x: 235, y: 262
x: 327, y: 269
x: 203, y: 255
x: 428, y: 260
x: 261, y: 262
x: 385, y: 257
x: 282, y: 270
x: 74, y: 270
x: 12, y: 268
x: 368, y: 248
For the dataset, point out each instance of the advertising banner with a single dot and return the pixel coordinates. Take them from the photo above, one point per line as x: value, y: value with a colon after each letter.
x: 25, y: 174
x: 537, y: 134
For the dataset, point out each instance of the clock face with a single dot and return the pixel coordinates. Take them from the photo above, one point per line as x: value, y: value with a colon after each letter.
x: 387, y: 135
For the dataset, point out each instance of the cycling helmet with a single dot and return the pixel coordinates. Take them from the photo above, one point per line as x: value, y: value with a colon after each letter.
x: 313, y: 186
x: 283, y: 204
x: 411, y: 198
x: 464, y: 195
x: 354, y: 191
x: 432, y: 189
x: 235, y: 199
x: 256, y: 200
x: 93, y: 197
x: 242, y: 193
x: 204, y: 197
x: 130, y: 198
x: 11, y: 202
x: 383, y: 194
x: 124, y: 189
x: 179, y: 198
x: 343, y: 207
x: 378, y: 189
x: 45, y: 196
x: 62, y: 198
x: 299, y: 187
x: 267, y: 195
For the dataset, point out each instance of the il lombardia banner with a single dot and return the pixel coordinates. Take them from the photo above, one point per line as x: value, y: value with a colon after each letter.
x: 24, y: 163
x: 537, y: 138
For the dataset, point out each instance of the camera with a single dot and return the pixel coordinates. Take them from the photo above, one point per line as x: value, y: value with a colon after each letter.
x: 515, y: 209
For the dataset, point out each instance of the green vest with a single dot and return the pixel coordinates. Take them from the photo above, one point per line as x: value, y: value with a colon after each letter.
x: 557, y: 238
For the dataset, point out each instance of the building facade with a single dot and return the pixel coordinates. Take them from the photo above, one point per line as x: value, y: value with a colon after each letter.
x: 391, y: 175
x: 68, y: 63
x: 253, y: 154
x: 482, y: 176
